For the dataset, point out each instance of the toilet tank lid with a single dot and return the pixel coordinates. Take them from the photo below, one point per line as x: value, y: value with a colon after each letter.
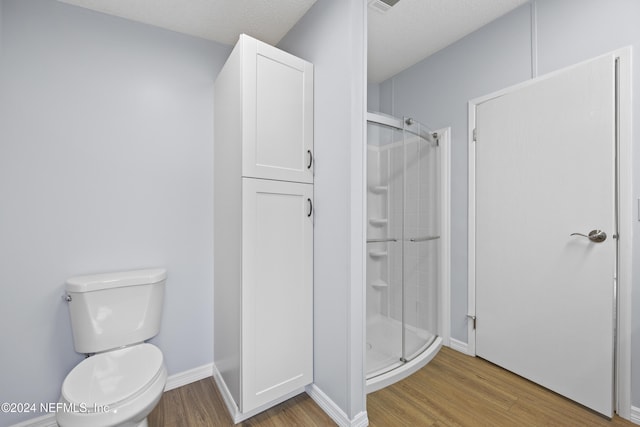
x: 95, y: 282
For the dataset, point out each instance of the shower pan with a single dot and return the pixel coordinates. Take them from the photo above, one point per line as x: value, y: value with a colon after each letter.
x: 403, y: 248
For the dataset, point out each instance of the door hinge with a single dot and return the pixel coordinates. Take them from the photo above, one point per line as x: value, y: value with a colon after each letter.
x: 475, y: 135
x: 473, y: 318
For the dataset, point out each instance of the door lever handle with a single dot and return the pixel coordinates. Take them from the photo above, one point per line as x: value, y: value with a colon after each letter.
x: 596, y: 236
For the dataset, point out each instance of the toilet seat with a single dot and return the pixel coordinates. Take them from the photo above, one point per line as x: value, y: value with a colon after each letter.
x: 109, y: 379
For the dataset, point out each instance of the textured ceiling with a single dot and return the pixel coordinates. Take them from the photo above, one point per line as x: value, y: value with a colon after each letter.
x: 407, y: 33
x: 414, y: 29
x: 218, y: 20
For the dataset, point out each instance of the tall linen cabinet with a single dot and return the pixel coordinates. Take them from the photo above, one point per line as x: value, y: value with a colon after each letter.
x: 263, y: 227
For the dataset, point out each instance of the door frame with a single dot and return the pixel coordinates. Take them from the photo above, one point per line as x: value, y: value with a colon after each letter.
x: 624, y: 197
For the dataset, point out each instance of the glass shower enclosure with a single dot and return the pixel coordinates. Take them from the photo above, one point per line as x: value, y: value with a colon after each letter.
x: 403, y: 248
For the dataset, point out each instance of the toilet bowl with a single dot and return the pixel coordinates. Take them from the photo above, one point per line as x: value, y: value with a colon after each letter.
x: 116, y: 388
x: 123, y: 377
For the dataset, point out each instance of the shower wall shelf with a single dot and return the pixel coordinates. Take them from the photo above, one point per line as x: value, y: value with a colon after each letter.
x: 378, y: 254
x: 379, y: 189
x: 379, y: 284
x: 378, y: 222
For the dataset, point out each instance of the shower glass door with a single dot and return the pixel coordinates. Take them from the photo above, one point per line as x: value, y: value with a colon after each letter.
x: 385, y: 182
x: 421, y: 239
x: 402, y: 242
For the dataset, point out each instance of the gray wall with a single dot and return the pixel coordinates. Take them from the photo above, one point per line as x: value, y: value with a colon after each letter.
x: 106, y: 164
x: 331, y: 36
x: 436, y: 91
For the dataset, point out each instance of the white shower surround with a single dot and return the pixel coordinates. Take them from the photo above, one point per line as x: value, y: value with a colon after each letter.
x: 397, y: 206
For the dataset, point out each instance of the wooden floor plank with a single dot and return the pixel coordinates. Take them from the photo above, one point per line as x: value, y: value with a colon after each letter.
x: 452, y: 390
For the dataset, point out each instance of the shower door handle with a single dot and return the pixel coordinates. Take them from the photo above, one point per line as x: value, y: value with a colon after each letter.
x: 595, y: 236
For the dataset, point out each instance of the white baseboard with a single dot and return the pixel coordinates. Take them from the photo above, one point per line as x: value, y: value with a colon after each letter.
x: 187, y: 377
x: 634, y: 416
x: 334, y: 411
x: 173, y: 381
x: 233, y: 409
x: 460, y: 346
x: 360, y: 420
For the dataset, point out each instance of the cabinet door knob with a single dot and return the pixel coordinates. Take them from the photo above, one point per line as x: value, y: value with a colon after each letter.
x: 310, y: 207
x: 310, y: 159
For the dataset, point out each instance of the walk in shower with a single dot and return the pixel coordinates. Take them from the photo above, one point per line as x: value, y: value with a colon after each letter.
x: 403, y: 248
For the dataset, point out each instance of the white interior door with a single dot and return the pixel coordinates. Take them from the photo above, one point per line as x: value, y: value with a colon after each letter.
x: 545, y: 168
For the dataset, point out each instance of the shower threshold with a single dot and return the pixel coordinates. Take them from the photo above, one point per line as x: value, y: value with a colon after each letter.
x: 384, y: 356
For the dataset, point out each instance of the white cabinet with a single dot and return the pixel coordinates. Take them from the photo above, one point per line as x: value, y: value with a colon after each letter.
x: 263, y: 227
x: 278, y: 90
x: 277, y: 271
x: 271, y: 113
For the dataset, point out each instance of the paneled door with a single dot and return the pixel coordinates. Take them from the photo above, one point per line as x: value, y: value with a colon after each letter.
x: 546, y: 231
x: 278, y: 113
x: 277, y: 291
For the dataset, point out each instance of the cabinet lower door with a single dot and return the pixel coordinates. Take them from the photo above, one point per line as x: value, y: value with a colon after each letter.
x: 277, y: 290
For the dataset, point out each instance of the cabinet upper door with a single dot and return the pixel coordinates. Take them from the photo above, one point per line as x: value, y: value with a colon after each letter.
x: 277, y: 289
x: 277, y: 114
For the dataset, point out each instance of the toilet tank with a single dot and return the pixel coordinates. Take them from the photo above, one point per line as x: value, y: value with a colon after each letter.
x: 113, y: 310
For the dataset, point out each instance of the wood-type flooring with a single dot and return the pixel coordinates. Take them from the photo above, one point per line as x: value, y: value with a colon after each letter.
x: 452, y: 390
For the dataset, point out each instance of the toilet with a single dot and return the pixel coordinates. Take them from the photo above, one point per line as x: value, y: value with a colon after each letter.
x: 122, y: 380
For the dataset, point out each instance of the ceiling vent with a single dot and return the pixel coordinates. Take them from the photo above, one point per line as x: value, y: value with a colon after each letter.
x: 382, y: 6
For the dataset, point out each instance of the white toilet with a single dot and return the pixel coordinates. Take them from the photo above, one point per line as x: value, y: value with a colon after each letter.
x: 111, y: 317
